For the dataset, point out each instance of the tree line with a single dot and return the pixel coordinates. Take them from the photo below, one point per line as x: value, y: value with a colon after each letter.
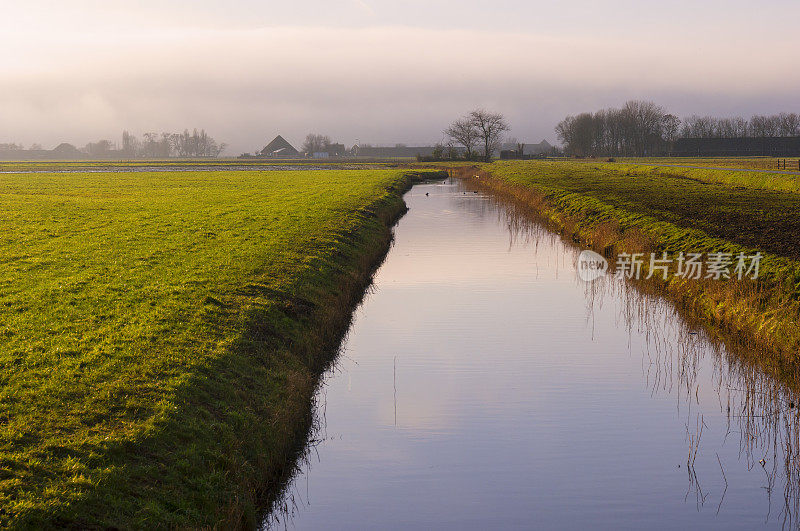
x: 151, y: 146
x: 641, y: 128
x: 638, y: 128
x: 163, y: 145
x: 776, y: 125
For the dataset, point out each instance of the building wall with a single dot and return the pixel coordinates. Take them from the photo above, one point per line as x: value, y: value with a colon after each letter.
x: 738, y: 147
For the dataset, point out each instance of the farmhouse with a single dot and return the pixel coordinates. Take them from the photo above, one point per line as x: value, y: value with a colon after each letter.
x: 279, y: 148
x: 332, y: 150
x: 63, y: 151
x: 510, y: 150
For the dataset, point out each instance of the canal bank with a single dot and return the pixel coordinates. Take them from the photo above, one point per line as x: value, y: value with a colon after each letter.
x: 483, y: 384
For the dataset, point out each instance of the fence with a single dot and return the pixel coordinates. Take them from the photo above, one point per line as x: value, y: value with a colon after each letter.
x: 783, y: 164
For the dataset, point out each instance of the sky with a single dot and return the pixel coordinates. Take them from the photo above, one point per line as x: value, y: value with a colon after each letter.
x: 379, y: 71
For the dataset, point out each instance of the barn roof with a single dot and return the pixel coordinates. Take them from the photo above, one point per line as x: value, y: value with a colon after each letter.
x: 279, y: 145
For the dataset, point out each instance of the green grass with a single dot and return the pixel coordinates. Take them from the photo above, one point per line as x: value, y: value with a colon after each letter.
x: 624, y: 208
x: 178, y: 164
x: 650, y: 168
x: 162, y: 334
x: 751, y: 163
x: 743, y: 211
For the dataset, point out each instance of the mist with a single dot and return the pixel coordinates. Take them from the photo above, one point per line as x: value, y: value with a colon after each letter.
x: 373, y: 83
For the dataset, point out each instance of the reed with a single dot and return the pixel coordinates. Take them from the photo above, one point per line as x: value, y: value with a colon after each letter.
x: 763, y: 314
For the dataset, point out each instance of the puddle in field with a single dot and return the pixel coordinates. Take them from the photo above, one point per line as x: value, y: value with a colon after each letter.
x: 483, y: 385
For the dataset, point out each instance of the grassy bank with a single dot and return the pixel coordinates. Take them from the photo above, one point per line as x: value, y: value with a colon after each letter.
x: 746, y: 163
x: 618, y: 210
x: 655, y: 168
x: 163, y: 333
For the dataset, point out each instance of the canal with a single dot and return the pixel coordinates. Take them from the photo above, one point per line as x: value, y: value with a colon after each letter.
x: 483, y: 385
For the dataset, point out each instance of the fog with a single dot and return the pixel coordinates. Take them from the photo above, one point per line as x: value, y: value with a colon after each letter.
x: 373, y: 74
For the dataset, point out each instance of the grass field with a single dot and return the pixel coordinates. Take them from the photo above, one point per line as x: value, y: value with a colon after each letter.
x: 162, y: 334
x: 619, y: 208
x: 187, y: 164
x: 741, y: 209
x: 649, y: 169
x: 748, y: 163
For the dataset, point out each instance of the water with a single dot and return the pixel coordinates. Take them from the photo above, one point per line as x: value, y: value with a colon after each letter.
x: 484, y: 386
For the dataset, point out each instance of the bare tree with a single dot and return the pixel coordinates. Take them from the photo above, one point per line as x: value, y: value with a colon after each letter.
x: 490, y: 127
x: 741, y: 127
x: 194, y: 144
x: 315, y: 143
x: 130, y: 145
x: 644, y: 120
x: 12, y: 147
x: 577, y: 133
x: 98, y: 149
x: 764, y: 126
x: 638, y: 128
x: 154, y: 146
x: 789, y: 124
x: 452, y: 152
x: 463, y: 133
x: 670, y: 125
x: 699, y: 127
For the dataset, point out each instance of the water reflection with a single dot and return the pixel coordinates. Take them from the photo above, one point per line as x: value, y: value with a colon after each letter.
x: 760, y: 412
x: 483, y: 384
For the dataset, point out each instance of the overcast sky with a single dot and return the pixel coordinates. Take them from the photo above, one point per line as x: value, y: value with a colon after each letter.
x: 379, y: 71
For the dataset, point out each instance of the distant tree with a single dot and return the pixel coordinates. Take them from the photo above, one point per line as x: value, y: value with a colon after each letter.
x: 741, y: 127
x: 98, y: 149
x: 577, y: 133
x: 452, y: 152
x: 130, y: 145
x: 218, y: 149
x: 565, y: 132
x: 724, y: 128
x: 194, y: 144
x: 156, y: 146
x: 490, y: 127
x: 315, y: 143
x: 789, y: 124
x: 638, y: 128
x: 464, y: 133
x: 699, y: 127
x: 438, y: 151
x: 764, y: 126
x: 643, y: 120
x: 783, y: 124
x: 670, y: 125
